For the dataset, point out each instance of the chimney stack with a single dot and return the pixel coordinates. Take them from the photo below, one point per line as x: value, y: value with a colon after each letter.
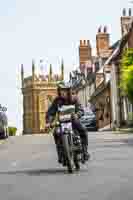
x: 126, y: 21
x: 102, y: 41
x: 85, y: 53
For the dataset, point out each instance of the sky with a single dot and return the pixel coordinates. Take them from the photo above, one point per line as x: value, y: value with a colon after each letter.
x: 48, y: 30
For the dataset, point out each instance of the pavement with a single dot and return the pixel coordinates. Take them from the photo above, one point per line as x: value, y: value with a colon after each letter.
x: 126, y: 130
x: 29, y: 169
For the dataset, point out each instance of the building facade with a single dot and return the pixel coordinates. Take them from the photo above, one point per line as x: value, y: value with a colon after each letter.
x: 123, y: 106
x: 38, y: 93
x: 104, y: 90
x: 111, y: 72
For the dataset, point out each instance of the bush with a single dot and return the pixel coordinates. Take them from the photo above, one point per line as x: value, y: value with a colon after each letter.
x: 12, y: 131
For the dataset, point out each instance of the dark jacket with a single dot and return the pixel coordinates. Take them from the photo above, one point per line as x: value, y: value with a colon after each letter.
x: 59, y: 101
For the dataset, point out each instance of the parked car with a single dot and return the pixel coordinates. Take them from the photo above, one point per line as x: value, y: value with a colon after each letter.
x: 3, y: 125
x: 88, y: 120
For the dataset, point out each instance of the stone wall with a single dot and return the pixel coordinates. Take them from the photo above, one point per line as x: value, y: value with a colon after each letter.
x: 103, y: 106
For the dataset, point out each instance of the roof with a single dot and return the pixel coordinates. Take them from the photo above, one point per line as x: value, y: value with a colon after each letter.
x: 114, y: 46
x: 91, y: 77
x: 77, y: 83
x: 115, y: 52
x: 121, y: 44
x: 100, y: 89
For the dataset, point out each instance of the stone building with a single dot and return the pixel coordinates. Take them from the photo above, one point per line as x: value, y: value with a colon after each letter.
x: 103, y: 89
x: 108, y: 81
x: 101, y: 100
x: 120, y: 104
x: 38, y: 92
x: 84, y: 87
x: 83, y: 76
x: 101, y: 96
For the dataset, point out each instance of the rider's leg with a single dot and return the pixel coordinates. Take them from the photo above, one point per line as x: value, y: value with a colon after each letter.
x: 59, y: 149
x: 57, y: 143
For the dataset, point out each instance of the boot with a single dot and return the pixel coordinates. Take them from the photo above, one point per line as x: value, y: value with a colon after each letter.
x: 86, y: 154
x: 64, y: 162
x: 59, y: 154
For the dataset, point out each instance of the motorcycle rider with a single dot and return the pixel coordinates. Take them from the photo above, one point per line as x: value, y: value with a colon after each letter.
x: 65, y: 96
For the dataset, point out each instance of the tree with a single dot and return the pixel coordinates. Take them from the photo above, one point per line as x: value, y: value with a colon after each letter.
x: 127, y: 74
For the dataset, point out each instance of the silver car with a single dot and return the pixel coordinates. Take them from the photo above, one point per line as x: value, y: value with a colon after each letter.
x: 88, y: 120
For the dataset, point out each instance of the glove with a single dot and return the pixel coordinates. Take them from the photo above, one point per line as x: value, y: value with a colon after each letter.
x: 47, y: 126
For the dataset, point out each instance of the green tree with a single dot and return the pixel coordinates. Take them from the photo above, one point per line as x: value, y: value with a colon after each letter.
x: 127, y: 74
x: 12, y: 131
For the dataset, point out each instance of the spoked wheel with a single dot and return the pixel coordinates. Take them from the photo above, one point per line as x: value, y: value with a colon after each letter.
x: 68, y: 153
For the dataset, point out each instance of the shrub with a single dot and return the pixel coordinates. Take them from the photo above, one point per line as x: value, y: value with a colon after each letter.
x: 12, y: 131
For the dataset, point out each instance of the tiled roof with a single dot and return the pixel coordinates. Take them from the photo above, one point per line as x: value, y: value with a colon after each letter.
x: 115, y: 45
x: 100, y: 88
x: 121, y: 44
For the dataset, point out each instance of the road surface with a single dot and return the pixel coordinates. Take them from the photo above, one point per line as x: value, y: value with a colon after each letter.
x: 29, y: 170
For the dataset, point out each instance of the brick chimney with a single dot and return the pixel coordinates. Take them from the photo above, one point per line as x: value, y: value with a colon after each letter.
x: 84, y: 51
x: 126, y: 21
x: 102, y: 42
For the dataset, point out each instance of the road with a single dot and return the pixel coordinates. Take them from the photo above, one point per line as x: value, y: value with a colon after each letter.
x: 29, y: 170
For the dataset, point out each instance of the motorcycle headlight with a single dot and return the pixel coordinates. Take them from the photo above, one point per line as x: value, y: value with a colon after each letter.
x: 67, y: 127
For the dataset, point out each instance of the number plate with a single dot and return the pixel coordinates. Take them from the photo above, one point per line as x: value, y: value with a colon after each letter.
x: 64, y: 117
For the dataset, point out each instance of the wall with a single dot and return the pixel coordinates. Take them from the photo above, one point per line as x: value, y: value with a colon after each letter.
x: 103, y: 113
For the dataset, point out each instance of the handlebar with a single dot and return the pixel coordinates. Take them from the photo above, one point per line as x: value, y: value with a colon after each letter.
x: 52, y: 125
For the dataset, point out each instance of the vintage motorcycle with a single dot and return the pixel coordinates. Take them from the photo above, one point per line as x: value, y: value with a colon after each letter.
x: 69, y: 145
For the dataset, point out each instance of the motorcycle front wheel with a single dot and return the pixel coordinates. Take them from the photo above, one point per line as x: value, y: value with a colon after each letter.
x: 68, y: 153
